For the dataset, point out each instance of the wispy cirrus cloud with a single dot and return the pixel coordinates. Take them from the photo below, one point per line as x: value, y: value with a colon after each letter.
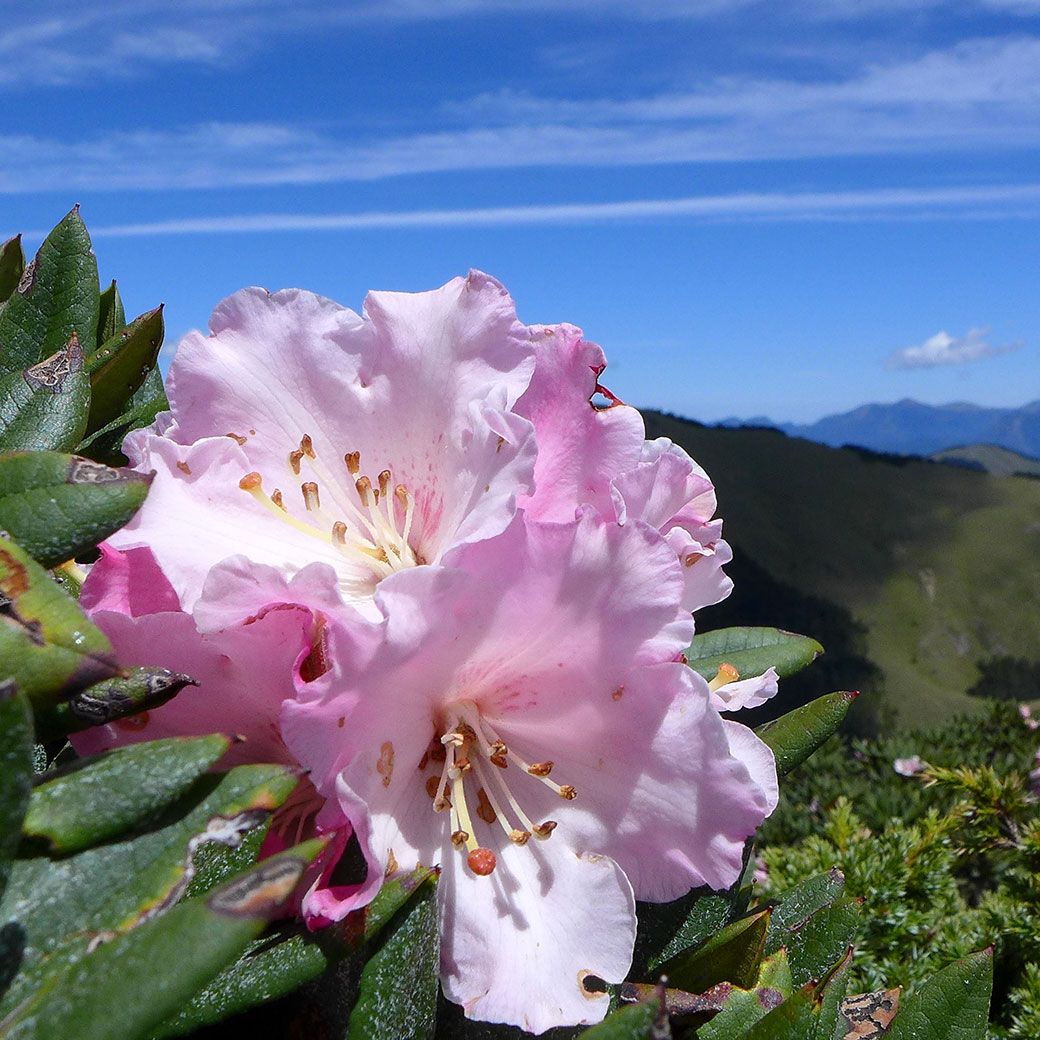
x: 944, y: 349
x: 1022, y: 200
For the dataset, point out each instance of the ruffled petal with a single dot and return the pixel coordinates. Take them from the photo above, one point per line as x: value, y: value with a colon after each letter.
x: 746, y: 693
x: 243, y: 673
x: 129, y: 583
x: 580, y: 446
x: 519, y: 946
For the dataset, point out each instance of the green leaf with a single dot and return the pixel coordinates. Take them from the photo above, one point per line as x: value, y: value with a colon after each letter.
x: 398, y: 994
x: 111, y: 316
x: 119, y: 366
x: 733, y: 955
x: 798, y: 904
x: 16, y: 758
x: 952, y: 1005
x: 143, y: 975
x: 830, y: 993
x: 276, y: 965
x: 744, y: 1007
x: 97, y: 799
x: 795, y: 736
x: 631, y: 1023
x: 751, y: 651
x: 795, y: 1019
x: 106, y: 444
x: 58, y: 505
x: 120, y: 885
x: 46, y: 644
x: 44, y: 407
x: 56, y: 298
x: 12, y: 264
x: 140, y: 690
x: 816, y: 943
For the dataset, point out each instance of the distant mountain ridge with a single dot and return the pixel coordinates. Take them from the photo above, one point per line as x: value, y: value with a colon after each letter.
x: 911, y: 428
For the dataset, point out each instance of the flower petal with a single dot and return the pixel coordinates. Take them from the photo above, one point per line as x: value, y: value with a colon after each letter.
x: 746, y: 693
x: 580, y: 446
x: 128, y: 582
x: 244, y: 674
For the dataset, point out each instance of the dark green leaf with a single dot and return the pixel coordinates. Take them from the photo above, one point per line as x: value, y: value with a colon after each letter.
x: 744, y: 1007
x: 829, y: 994
x: 118, y: 886
x: 631, y: 1023
x: 118, y: 367
x: 97, y: 799
x: 276, y: 965
x: 751, y: 651
x: 141, y: 689
x: 143, y: 975
x: 111, y: 316
x: 952, y: 1005
x: 57, y: 505
x: 398, y: 996
x: 56, y: 298
x: 12, y: 264
x: 46, y: 644
x: 44, y: 407
x: 816, y: 943
x: 733, y: 955
x: 798, y: 904
x: 795, y: 1019
x: 106, y: 445
x: 16, y: 751
x: 795, y: 736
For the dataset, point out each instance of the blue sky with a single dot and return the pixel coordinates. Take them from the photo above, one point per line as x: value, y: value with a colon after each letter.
x: 758, y: 207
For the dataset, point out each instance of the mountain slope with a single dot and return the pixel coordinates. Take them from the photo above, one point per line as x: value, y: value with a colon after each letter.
x: 940, y: 564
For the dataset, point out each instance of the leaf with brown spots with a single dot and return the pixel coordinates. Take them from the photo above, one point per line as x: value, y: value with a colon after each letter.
x: 57, y: 506
x: 44, y: 407
x: 46, y: 644
x: 867, y: 1016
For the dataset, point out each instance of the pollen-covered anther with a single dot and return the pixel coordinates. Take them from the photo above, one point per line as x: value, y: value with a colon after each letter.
x: 295, y: 457
x: 459, y: 838
x: 481, y: 861
x: 567, y: 793
x: 310, y: 496
x: 307, y: 447
x: 363, y: 486
x: 725, y: 675
x: 384, y: 482
x: 518, y: 837
x: 540, y: 768
x: 543, y: 830
x: 276, y: 498
x: 339, y: 532
x: 353, y: 461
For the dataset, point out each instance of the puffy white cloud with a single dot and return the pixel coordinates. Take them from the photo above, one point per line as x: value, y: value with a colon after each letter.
x: 944, y: 349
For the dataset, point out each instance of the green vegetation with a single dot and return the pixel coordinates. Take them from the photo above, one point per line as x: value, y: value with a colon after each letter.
x: 909, y: 572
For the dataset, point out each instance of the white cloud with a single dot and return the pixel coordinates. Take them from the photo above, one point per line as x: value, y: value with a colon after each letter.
x: 890, y: 204
x: 944, y: 349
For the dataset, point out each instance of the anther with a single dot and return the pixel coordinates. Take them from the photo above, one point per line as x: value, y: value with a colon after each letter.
x: 353, y: 461
x: 567, y: 793
x: 307, y: 447
x: 540, y: 768
x: 432, y: 783
x: 519, y: 837
x: 294, y: 460
x: 459, y: 838
x: 363, y: 486
x: 276, y: 498
x: 250, y: 482
x: 464, y: 766
x: 543, y: 830
x: 481, y: 861
x: 339, y: 532
x: 725, y: 675
x: 384, y: 482
x: 310, y: 496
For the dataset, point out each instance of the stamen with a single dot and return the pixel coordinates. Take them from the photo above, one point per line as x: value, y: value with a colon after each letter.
x: 339, y: 532
x: 538, y: 770
x: 307, y: 447
x: 276, y: 498
x: 363, y: 486
x: 725, y: 675
x: 353, y: 461
x: 310, y: 496
x: 384, y: 482
x: 294, y: 460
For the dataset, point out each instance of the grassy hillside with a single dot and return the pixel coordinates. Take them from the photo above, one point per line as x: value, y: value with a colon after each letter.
x: 939, y: 565
x: 992, y: 458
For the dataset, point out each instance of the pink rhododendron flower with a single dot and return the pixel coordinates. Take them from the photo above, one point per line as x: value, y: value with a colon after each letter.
x: 306, y: 440
x: 731, y: 693
x: 525, y: 721
x: 599, y: 457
